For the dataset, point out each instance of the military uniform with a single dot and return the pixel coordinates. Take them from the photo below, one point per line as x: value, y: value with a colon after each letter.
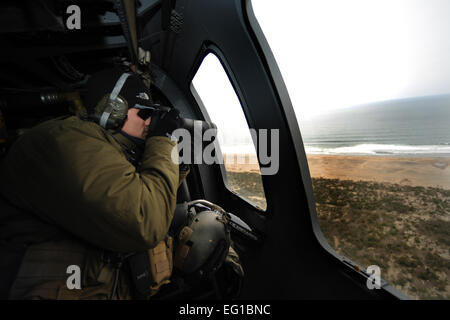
x: 70, y: 196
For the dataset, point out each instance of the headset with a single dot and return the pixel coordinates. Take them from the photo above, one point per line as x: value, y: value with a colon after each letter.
x: 116, y: 109
x: 115, y: 112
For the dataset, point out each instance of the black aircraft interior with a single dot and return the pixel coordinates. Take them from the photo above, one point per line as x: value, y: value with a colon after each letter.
x: 44, y: 68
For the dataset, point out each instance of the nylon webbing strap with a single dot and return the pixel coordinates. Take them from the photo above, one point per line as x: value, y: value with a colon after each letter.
x: 126, y: 10
x: 119, y: 85
x: 113, y: 96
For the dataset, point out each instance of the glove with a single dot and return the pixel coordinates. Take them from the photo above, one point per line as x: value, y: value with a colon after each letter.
x: 164, y: 123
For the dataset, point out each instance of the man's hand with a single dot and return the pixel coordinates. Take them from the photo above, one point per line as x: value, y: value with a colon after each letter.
x: 164, y: 123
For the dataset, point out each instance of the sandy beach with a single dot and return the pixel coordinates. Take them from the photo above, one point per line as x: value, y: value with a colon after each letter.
x: 406, y: 171
x: 427, y: 172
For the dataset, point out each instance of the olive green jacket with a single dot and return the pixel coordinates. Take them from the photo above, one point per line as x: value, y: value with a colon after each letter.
x: 73, y: 175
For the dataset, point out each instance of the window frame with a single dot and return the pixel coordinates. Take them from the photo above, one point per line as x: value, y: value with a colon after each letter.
x: 213, y: 49
x: 265, y: 53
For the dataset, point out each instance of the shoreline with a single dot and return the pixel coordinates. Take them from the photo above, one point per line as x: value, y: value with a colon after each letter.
x: 380, y: 155
x: 404, y: 170
x: 412, y: 171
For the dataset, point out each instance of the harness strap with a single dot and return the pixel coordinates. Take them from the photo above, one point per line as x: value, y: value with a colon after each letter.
x: 126, y: 10
x: 112, y: 97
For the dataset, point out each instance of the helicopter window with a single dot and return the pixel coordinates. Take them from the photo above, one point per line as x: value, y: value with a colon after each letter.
x: 241, y: 169
x: 370, y: 84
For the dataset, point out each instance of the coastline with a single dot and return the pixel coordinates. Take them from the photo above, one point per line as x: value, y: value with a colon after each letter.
x: 412, y: 171
x: 404, y: 170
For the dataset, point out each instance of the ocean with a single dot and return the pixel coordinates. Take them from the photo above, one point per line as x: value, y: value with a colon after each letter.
x: 414, y: 127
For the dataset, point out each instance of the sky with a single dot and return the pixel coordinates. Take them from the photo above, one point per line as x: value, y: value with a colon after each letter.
x: 221, y: 102
x: 340, y: 53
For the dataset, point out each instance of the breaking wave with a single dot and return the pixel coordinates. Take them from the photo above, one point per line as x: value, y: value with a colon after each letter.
x: 382, y: 149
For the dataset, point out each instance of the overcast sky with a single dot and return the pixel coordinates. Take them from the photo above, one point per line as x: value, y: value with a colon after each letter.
x: 340, y: 53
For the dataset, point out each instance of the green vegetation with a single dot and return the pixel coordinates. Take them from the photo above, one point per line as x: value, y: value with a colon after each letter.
x: 405, y: 230
x: 249, y: 186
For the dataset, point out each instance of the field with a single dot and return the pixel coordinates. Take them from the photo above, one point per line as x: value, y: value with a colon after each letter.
x: 405, y: 230
x: 392, y: 217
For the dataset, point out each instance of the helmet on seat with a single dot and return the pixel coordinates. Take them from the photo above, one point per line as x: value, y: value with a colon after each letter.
x: 202, y: 244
